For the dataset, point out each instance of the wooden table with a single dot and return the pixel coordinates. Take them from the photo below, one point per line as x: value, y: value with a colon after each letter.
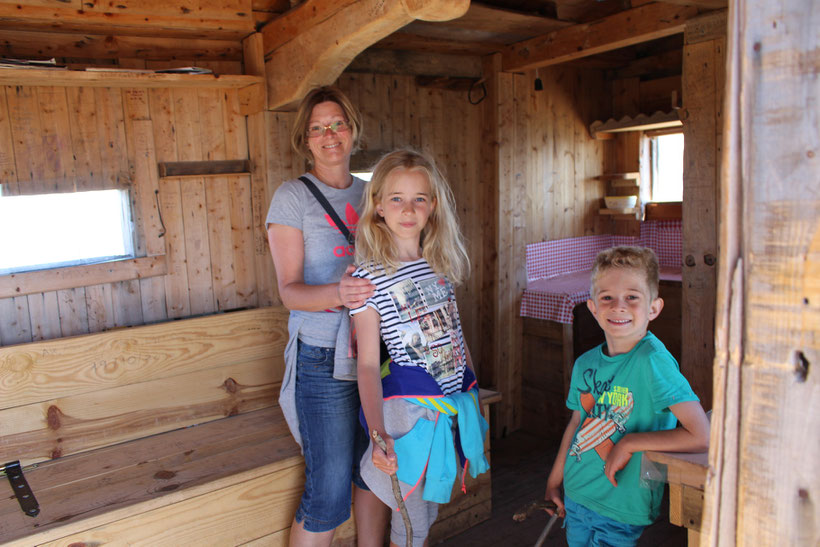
x: 686, y: 475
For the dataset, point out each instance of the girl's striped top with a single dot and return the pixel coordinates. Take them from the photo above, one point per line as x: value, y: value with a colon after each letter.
x: 419, y: 321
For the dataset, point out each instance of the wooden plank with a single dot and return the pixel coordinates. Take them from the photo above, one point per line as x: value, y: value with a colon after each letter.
x: 8, y: 173
x: 205, y: 167
x: 73, y: 78
x: 70, y: 425
x: 497, y: 20
x: 114, y: 169
x: 241, y: 207
x: 193, y: 205
x: 82, y: 104
x: 161, y: 473
x: 15, y: 325
x: 81, y: 276
x: 26, y: 132
x: 303, y: 17
x: 64, y: 19
x: 170, y: 208
x: 44, y: 315
x: 409, y: 41
x: 27, y: 44
x: 622, y: 29
x: 57, y: 158
x: 100, y: 309
x: 133, y: 355
x: 73, y: 312
x: 387, y: 61
x: 700, y: 219
x: 231, y: 515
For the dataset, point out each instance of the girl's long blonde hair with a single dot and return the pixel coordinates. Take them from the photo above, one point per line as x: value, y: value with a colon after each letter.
x: 442, y: 244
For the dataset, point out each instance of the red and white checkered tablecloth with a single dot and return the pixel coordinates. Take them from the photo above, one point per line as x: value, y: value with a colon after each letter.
x: 558, y: 271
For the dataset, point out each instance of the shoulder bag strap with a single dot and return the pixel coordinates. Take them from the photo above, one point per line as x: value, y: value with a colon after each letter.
x: 320, y: 197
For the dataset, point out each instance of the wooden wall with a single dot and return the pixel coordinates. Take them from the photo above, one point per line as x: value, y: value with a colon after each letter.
x: 547, y: 191
x: 67, y: 138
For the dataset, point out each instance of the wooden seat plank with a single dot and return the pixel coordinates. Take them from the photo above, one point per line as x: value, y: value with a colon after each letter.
x: 102, y: 486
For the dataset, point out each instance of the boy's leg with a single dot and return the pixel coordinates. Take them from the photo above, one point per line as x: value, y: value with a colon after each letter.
x: 576, y: 523
x: 586, y: 527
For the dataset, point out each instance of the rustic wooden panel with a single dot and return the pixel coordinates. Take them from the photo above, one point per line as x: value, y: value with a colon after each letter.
x: 702, y: 93
x: 78, y: 493
x: 764, y: 490
x: 49, y: 370
x: 77, y: 423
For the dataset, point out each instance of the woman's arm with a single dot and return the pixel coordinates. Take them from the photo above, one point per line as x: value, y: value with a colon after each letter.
x: 691, y: 436
x: 370, y: 385
x: 287, y: 247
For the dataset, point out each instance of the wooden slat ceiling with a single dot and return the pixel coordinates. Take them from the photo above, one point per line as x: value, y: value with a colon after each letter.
x: 213, y: 31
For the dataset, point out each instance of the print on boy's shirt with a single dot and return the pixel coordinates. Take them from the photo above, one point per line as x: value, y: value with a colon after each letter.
x: 605, y: 416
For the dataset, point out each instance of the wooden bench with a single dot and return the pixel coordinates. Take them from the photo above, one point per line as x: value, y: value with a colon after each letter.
x: 165, y: 434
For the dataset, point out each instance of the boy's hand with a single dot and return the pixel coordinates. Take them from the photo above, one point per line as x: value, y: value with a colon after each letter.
x: 385, y: 461
x: 553, y: 494
x: 616, y: 460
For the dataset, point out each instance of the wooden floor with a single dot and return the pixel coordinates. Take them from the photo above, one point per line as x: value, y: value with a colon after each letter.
x: 520, y: 463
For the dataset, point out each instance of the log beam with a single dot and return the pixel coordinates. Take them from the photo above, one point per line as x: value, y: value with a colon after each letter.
x: 316, y: 41
x: 216, y: 25
x: 623, y: 29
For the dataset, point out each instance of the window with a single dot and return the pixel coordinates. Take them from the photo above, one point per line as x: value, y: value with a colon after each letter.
x: 55, y: 230
x: 666, y: 153
x: 364, y: 175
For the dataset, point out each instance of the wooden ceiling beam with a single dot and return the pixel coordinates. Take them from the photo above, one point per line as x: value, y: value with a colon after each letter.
x: 33, y: 45
x: 234, y: 26
x: 319, y: 39
x: 385, y: 61
x: 497, y: 20
x: 623, y: 29
x: 707, y: 4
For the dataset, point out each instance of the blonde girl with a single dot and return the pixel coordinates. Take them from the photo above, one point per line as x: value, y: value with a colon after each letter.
x: 408, y: 245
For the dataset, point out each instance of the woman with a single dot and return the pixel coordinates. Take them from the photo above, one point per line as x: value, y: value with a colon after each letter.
x: 319, y: 395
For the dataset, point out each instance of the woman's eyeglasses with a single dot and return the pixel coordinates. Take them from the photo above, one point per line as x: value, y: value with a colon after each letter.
x: 319, y: 130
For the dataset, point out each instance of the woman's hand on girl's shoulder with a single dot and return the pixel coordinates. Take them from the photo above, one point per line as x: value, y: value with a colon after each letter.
x: 354, y: 291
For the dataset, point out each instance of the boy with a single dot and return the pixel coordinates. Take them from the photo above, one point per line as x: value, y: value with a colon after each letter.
x: 625, y: 396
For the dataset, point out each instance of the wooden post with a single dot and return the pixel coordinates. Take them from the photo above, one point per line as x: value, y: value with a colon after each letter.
x: 703, y: 65
x: 763, y: 487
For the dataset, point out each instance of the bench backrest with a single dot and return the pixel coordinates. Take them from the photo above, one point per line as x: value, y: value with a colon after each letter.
x: 70, y: 395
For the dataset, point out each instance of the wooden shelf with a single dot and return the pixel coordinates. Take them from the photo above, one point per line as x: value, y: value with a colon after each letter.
x: 632, y: 213
x: 82, y: 78
x: 633, y: 175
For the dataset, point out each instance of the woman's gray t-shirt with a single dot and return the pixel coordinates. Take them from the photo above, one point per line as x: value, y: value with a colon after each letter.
x: 327, y: 252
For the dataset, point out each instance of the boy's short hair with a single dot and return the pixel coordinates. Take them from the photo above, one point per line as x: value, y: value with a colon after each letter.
x: 625, y: 256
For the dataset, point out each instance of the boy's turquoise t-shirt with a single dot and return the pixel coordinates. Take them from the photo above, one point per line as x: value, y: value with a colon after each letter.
x: 631, y: 392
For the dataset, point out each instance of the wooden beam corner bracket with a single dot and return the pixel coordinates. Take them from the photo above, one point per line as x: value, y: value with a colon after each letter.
x: 312, y: 44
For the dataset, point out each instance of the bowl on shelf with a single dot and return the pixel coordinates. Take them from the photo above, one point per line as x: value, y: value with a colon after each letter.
x: 621, y: 203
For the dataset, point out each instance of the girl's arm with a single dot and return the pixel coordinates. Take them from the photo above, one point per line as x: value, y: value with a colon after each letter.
x: 556, y: 476
x: 691, y: 436
x: 370, y: 386
x: 287, y: 247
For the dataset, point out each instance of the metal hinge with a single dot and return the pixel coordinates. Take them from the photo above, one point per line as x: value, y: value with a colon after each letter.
x: 19, y: 485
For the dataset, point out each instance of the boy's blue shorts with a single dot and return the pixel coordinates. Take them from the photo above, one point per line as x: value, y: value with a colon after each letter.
x: 586, y: 527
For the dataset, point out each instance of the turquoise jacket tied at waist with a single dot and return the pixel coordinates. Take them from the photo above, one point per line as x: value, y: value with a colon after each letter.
x: 429, y: 445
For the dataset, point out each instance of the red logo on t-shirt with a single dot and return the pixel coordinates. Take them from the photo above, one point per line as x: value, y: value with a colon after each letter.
x: 351, y: 220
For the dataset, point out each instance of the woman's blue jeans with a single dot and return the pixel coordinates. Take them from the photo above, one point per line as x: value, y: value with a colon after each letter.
x: 333, y: 441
